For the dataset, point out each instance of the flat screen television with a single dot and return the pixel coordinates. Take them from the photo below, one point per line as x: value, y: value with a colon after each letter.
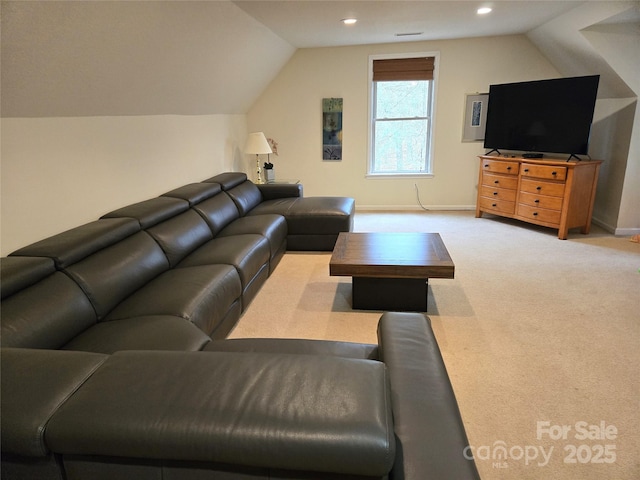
x: 550, y: 116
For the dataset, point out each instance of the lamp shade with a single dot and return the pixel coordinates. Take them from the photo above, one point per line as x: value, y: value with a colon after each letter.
x: 257, y: 143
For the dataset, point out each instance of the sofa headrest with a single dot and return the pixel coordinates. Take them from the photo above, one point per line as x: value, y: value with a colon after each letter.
x: 17, y: 273
x: 246, y: 196
x: 151, y: 212
x: 68, y: 247
x: 228, y: 180
x: 195, y: 193
x: 46, y: 314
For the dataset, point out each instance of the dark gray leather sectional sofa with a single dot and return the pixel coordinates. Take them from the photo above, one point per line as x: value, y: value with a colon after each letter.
x: 115, y: 364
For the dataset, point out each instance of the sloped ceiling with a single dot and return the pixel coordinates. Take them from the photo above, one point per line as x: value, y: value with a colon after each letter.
x: 568, y: 44
x: 109, y: 58
x: 134, y: 58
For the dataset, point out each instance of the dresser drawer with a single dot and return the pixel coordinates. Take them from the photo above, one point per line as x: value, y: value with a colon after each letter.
x: 539, y: 214
x: 544, y: 171
x: 501, y: 181
x: 552, y: 189
x: 499, y: 193
x: 542, y: 201
x: 500, y: 206
x: 499, y: 166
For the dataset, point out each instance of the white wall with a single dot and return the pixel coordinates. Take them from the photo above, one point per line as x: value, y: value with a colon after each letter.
x: 602, y: 38
x: 611, y: 137
x: 58, y: 173
x: 290, y: 111
x: 618, y: 43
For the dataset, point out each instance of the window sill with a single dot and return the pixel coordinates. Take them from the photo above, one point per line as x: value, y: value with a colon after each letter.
x: 399, y: 175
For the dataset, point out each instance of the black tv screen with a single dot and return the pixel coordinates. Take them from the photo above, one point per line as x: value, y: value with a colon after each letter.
x: 542, y: 116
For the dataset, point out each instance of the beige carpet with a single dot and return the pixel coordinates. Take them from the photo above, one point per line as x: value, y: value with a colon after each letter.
x: 532, y: 329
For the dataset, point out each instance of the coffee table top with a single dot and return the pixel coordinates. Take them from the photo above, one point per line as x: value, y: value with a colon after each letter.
x: 391, y: 255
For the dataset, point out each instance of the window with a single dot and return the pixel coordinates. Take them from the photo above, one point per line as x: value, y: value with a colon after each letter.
x: 402, y: 92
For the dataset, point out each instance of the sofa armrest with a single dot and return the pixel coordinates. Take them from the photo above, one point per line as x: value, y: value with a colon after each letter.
x: 293, y: 412
x: 430, y: 434
x: 272, y: 191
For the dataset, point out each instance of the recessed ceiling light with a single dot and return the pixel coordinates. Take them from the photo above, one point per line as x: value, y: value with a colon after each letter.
x: 349, y: 21
x: 484, y: 10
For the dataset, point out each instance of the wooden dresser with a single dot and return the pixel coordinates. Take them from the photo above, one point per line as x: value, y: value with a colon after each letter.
x: 549, y: 192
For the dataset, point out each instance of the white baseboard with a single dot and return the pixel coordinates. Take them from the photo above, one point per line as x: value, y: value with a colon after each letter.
x: 620, y: 232
x: 602, y: 224
x: 406, y: 208
x: 626, y: 232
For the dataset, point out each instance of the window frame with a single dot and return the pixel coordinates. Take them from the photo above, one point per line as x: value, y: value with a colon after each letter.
x: 371, y: 120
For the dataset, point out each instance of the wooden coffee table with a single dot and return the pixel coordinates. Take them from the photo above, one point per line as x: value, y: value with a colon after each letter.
x: 390, y: 271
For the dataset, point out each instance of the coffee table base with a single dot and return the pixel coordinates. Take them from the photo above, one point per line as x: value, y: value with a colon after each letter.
x: 397, y: 294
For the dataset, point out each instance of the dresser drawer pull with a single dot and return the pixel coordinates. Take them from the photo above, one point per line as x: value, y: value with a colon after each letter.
x: 486, y: 165
x: 554, y: 173
x: 494, y: 204
x: 496, y: 181
x: 535, y: 214
x: 536, y: 201
x: 538, y: 188
x: 495, y: 193
x: 509, y: 168
x: 526, y: 170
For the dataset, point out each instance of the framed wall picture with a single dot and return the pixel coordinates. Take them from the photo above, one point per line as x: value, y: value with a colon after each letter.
x: 332, y: 128
x: 475, y: 117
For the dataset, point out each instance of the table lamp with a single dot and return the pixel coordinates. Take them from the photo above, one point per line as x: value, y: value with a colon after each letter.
x: 257, y: 143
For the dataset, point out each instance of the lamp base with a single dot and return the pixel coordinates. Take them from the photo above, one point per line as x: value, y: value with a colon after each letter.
x: 258, y: 170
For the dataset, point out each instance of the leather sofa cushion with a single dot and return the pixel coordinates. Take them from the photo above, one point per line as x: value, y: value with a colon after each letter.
x: 272, y: 227
x: 321, y: 215
x: 218, y: 212
x: 71, y: 246
x: 112, y: 274
x: 39, y: 381
x: 158, y: 332
x: 331, y: 415
x: 246, y: 196
x: 199, y: 294
x: 152, y: 211
x: 312, y: 215
x: 247, y: 253
x: 181, y: 235
x: 313, y: 223
x: 195, y: 193
x: 295, y: 346
x: 46, y: 315
x: 279, y: 206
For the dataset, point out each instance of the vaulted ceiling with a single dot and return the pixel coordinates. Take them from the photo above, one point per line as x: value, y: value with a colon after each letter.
x: 69, y: 58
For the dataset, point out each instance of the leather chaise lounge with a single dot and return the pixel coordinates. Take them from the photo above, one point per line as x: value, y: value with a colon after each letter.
x: 115, y: 362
